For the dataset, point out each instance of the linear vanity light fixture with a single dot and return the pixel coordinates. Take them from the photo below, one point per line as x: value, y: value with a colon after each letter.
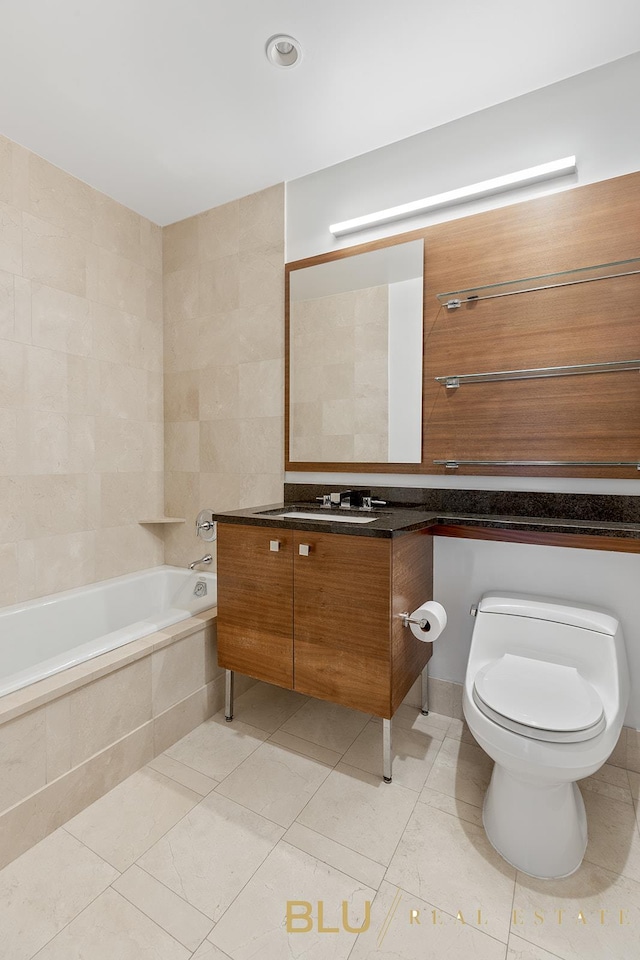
x: 510, y: 181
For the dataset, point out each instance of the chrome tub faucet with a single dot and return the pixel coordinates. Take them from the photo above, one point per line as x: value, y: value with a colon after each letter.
x: 196, y: 563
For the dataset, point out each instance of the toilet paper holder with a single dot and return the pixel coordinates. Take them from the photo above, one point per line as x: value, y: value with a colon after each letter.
x: 407, y: 620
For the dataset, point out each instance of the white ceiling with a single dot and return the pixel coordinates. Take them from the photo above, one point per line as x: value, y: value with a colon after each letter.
x: 171, y: 106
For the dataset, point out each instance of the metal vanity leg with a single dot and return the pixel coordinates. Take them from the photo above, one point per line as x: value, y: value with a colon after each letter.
x: 425, y: 692
x: 228, y: 695
x: 387, y: 752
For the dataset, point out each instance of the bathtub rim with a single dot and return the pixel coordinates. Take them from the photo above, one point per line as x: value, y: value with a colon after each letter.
x: 41, y: 692
x: 95, y: 585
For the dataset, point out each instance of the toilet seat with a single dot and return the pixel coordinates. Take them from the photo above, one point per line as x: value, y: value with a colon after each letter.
x: 539, y: 699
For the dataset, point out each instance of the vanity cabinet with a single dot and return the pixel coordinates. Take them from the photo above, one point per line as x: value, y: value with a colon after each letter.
x: 318, y: 612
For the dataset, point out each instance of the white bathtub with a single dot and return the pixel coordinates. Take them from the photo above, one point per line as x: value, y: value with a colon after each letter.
x: 44, y: 636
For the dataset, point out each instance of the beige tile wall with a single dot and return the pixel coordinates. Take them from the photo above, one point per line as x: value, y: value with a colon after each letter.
x: 81, y: 418
x: 224, y: 350
x: 340, y: 391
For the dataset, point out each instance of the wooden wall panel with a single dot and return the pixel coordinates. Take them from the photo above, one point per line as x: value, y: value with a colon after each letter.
x: 589, y: 417
x: 585, y: 323
x: 596, y: 223
x: 568, y: 418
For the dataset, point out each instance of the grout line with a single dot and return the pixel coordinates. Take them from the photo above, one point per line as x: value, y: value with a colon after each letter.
x: 249, y: 879
x: 327, y: 863
x: 316, y: 744
x: 300, y: 752
x: 317, y: 831
x: 186, y: 902
x: 357, y: 939
x: 195, y: 769
x: 264, y: 816
x: 86, y: 845
x: 462, y: 822
x: 179, y: 782
x: 86, y: 907
x: 511, y: 911
x: 404, y: 830
x: 161, y: 837
x: 136, y: 862
x: 635, y: 803
x: 333, y: 749
x: 539, y: 947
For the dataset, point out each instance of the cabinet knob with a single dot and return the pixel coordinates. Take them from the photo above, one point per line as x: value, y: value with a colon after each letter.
x: 274, y: 545
x: 304, y: 549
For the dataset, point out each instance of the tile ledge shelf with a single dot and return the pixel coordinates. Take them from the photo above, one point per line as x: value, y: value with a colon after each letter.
x: 163, y: 520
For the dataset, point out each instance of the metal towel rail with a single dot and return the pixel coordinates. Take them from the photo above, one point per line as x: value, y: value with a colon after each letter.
x: 454, y: 464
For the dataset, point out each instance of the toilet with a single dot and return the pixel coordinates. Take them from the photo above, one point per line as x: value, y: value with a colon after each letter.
x: 545, y: 695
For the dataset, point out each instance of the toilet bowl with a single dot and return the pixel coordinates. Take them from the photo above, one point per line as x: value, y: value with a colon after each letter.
x: 545, y: 694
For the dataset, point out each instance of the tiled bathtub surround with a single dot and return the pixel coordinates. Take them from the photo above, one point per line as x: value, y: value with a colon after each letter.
x: 224, y: 362
x: 80, y: 381
x: 67, y: 740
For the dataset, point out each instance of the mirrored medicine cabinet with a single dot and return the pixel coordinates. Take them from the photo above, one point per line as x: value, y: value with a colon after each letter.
x: 354, y: 323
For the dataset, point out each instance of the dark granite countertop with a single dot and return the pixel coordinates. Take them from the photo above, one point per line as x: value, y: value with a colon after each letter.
x: 389, y: 521
x: 592, y: 528
x: 394, y: 520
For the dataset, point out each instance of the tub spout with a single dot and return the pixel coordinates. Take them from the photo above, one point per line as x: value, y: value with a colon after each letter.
x: 196, y: 563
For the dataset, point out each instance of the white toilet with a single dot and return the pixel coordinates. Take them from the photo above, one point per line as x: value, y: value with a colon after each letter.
x: 545, y: 695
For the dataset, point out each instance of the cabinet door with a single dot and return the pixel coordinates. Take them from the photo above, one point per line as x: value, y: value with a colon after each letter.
x: 342, y: 620
x: 255, y: 602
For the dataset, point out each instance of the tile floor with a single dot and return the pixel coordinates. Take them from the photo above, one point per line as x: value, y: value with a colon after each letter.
x: 197, y: 854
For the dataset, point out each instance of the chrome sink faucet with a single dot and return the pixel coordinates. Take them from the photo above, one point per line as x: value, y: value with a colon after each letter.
x: 206, y: 559
x: 350, y: 500
x: 329, y: 500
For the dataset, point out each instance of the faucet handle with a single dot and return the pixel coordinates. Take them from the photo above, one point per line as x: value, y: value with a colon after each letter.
x: 368, y: 503
x: 325, y: 499
x: 206, y: 525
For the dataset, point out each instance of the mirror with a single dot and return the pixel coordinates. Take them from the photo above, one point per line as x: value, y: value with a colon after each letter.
x: 355, y: 357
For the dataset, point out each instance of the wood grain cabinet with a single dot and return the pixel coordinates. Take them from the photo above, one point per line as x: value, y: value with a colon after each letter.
x: 317, y: 612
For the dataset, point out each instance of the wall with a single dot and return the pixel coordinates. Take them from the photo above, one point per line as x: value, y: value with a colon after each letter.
x: 80, y: 381
x: 224, y: 366
x: 340, y: 392
x: 584, y: 115
x: 588, y: 115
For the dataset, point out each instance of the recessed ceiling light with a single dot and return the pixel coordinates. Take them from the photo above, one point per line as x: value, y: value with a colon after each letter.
x: 283, y: 51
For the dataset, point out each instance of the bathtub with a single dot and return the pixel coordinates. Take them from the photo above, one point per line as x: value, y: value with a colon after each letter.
x: 45, y: 636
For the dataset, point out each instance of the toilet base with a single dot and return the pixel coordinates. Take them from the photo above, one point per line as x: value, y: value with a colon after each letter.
x: 539, y: 827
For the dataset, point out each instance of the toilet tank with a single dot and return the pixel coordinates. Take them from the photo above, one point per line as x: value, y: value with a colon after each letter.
x: 546, y: 628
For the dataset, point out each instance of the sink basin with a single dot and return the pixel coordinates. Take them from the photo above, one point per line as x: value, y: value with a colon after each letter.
x: 328, y: 518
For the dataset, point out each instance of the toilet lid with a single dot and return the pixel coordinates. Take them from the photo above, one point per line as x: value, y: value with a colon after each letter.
x: 537, y: 694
